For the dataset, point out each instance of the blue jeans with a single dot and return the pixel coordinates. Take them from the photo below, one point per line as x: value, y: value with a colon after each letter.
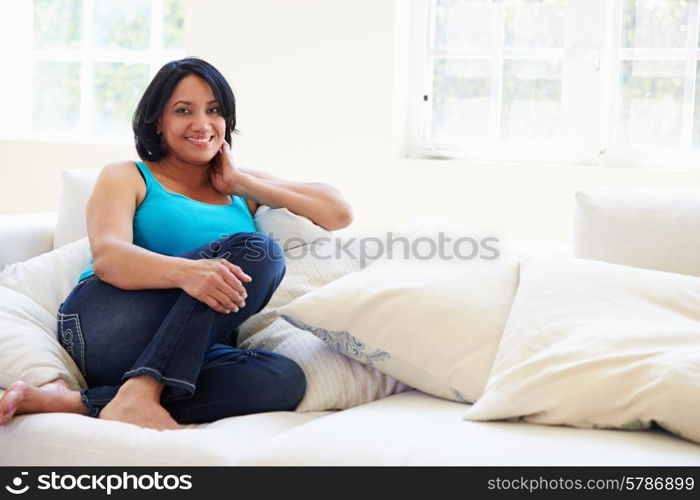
x: 114, y: 334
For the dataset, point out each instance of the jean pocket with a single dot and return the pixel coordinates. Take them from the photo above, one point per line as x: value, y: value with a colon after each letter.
x: 70, y: 336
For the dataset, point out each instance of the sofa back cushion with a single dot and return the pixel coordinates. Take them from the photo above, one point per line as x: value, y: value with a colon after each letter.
x: 76, y: 186
x: 651, y: 229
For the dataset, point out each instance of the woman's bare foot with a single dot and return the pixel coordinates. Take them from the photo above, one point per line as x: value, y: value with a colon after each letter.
x: 138, y: 402
x: 54, y: 396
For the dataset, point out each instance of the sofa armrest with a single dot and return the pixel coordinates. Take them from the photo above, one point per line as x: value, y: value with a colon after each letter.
x: 23, y: 236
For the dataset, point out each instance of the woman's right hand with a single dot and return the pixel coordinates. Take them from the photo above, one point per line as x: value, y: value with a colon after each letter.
x: 216, y: 282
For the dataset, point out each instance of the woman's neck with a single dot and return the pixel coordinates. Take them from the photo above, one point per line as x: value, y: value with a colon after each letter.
x: 189, y: 174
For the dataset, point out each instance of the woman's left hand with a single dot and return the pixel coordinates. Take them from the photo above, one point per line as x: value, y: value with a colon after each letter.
x: 224, y: 174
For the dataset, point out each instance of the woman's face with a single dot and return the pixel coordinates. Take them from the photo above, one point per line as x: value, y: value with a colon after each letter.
x: 191, y: 124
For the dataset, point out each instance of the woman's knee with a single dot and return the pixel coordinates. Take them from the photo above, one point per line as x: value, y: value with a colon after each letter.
x: 261, y: 255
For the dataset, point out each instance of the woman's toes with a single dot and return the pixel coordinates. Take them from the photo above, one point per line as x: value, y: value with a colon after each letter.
x: 11, y: 401
x: 21, y: 398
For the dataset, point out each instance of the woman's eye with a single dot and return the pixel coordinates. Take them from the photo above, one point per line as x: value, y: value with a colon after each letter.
x: 215, y: 110
x: 182, y: 110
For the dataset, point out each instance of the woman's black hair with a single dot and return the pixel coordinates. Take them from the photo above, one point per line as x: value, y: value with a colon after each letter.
x: 149, y: 145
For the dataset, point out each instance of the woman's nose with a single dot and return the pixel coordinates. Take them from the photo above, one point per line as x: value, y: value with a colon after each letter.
x: 201, y: 121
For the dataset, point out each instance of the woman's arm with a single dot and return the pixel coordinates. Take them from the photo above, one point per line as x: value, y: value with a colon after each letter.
x: 321, y: 203
x: 110, y: 213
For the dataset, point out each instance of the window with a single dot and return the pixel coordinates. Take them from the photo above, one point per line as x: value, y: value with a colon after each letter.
x: 655, y: 117
x: 563, y: 81
x: 90, y: 62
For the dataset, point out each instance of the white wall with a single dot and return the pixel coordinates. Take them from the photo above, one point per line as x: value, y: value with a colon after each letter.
x: 316, y: 82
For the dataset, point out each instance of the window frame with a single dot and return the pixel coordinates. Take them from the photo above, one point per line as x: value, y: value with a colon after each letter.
x: 590, y: 86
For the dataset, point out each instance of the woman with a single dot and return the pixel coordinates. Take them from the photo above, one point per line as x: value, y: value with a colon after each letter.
x: 177, y: 267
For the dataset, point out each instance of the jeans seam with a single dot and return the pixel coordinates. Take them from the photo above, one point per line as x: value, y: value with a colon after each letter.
x: 160, y: 375
x: 67, y: 317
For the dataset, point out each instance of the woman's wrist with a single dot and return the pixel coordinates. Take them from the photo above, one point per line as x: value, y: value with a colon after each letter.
x: 243, y: 185
x: 177, y: 272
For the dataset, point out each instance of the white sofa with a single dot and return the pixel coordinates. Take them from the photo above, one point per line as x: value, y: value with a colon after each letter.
x: 406, y: 428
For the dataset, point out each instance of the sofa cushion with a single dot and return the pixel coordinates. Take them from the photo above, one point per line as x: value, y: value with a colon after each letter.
x: 652, y: 229
x: 76, y: 187
x: 29, y: 349
x: 64, y: 439
x: 593, y: 344
x: 433, y: 325
x: 413, y: 428
x: 333, y: 380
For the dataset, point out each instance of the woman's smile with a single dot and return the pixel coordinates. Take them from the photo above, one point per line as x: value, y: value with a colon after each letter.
x: 200, y: 141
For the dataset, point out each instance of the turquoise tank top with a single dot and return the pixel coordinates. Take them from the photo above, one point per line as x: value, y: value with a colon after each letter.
x: 171, y: 223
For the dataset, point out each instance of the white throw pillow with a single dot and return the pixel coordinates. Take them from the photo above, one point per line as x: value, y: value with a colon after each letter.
x: 642, y: 228
x: 49, y: 278
x: 29, y: 350
x: 593, y: 344
x: 76, y: 187
x: 433, y: 325
x: 333, y: 380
